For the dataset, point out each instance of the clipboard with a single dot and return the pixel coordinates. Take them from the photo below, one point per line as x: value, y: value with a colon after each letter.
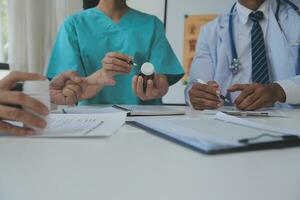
x: 289, y: 141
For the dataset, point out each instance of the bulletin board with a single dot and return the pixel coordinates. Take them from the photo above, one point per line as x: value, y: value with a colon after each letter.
x: 192, y: 26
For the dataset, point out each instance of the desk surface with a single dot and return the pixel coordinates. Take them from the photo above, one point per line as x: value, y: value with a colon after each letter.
x: 135, y: 165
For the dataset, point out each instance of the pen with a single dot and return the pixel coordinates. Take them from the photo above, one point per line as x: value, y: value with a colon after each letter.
x: 132, y: 63
x: 220, y: 95
x: 247, y: 114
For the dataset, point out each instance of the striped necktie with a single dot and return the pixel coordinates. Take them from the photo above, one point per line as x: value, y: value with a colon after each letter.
x: 260, y: 72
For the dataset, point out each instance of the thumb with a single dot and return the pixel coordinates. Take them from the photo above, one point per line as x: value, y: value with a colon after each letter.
x: 213, y: 83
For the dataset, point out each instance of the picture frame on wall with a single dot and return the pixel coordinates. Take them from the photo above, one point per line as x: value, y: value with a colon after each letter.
x: 192, y: 28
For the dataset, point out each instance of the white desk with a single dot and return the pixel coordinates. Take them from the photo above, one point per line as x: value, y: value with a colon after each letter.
x: 135, y: 165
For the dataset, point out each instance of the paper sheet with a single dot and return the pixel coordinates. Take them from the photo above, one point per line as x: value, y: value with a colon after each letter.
x: 246, y: 123
x: 81, y: 125
x: 268, y: 112
x: 88, y: 110
x: 200, y: 133
x: 84, y: 125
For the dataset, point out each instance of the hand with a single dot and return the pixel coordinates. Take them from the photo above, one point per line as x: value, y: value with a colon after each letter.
x: 156, y: 88
x: 116, y: 63
x: 9, y: 99
x: 205, y: 96
x: 67, y: 88
x: 256, y: 96
x: 113, y: 64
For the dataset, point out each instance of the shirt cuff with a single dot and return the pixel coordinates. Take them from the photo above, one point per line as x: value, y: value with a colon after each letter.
x: 292, y: 91
x: 187, y: 97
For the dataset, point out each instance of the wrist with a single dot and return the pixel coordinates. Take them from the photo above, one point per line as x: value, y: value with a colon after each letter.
x: 278, y: 93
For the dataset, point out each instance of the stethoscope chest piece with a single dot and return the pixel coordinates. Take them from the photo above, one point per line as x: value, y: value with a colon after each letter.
x: 235, y: 66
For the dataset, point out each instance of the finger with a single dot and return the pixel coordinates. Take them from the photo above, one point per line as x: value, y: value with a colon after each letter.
x: 134, y: 84
x: 206, y: 104
x: 205, y: 88
x: 21, y: 99
x: 259, y: 103
x: 244, y: 94
x: 116, y: 68
x: 17, y: 76
x: 117, y: 61
x: 14, y: 114
x: 149, y: 91
x: 121, y: 56
x: 71, y: 100
x: 140, y: 89
x: 73, y: 90
x: 249, y: 101
x: 213, y: 83
x: 238, y: 87
x: 13, y: 130
x: 157, y: 80
x: 71, y: 97
x: 72, y: 75
x: 205, y: 95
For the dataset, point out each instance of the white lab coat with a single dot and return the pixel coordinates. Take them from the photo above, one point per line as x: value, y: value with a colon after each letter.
x: 213, y: 56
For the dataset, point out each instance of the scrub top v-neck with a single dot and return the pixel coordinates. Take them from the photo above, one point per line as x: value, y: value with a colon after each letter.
x: 86, y: 37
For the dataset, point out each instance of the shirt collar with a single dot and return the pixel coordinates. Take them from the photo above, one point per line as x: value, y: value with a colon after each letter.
x: 244, y: 12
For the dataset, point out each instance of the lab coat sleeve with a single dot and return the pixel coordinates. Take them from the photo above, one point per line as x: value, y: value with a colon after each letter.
x: 202, y: 65
x: 66, y: 52
x: 163, y: 56
x: 291, y: 88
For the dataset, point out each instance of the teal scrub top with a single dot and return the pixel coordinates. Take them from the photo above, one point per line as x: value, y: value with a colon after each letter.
x: 86, y: 37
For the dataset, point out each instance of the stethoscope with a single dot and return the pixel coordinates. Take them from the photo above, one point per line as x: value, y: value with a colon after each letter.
x: 236, y: 62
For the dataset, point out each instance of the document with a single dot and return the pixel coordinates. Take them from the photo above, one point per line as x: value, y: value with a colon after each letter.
x: 81, y: 125
x: 246, y: 123
x: 205, y: 134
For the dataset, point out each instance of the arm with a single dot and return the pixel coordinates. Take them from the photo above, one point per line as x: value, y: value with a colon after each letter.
x: 198, y: 95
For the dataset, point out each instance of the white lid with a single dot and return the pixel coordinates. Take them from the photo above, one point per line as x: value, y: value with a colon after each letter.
x: 147, y: 69
x: 36, y: 86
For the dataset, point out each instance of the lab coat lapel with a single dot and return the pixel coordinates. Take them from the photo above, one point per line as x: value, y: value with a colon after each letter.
x: 278, y: 48
x: 224, y: 40
x: 223, y: 73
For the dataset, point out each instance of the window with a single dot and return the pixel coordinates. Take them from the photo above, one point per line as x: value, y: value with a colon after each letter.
x: 3, y: 31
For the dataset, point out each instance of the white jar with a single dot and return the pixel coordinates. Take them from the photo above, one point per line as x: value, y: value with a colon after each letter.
x: 38, y: 90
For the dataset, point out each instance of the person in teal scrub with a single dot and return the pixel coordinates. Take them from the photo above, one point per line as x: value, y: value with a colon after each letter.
x: 99, y: 44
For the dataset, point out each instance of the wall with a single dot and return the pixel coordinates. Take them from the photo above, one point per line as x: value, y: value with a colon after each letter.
x: 177, y: 9
x: 154, y: 7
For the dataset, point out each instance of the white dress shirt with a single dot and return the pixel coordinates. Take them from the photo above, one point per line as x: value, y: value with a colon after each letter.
x: 243, y: 44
